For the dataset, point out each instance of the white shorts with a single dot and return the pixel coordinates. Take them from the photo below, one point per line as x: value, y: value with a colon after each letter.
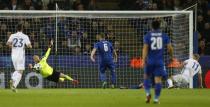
x: 18, y: 63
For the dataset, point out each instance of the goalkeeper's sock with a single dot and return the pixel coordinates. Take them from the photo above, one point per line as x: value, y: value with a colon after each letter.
x: 16, y: 77
x: 69, y: 78
x: 61, y: 79
x: 147, y: 86
x: 158, y: 87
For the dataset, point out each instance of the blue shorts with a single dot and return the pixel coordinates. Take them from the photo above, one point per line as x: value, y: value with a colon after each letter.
x: 104, y: 65
x: 155, y: 70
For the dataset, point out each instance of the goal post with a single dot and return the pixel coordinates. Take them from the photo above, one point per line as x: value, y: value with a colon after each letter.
x: 191, y: 42
x: 75, y: 34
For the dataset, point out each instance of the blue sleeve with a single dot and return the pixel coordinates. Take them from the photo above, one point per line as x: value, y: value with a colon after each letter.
x: 96, y: 46
x: 167, y: 39
x: 146, y: 38
x: 111, y: 47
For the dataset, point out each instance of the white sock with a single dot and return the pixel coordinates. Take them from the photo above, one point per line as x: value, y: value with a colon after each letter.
x: 170, y: 82
x: 16, y: 77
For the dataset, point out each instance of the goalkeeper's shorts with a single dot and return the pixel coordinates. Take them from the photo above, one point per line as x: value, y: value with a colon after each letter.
x: 54, y: 77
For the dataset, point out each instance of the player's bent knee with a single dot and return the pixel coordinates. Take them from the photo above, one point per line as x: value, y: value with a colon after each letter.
x: 146, y: 76
x: 20, y: 71
x: 61, y: 79
x: 62, y: 75
x: 158, y: 79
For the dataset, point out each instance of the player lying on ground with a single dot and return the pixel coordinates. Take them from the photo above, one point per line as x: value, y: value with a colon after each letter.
x: 18, y: 41
x: 190, y: 68
x: 47, y: 71
x: 106, y: 51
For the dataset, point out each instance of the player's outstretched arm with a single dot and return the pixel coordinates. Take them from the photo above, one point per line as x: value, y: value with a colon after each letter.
x: 9, y: 44
x: 48, y: 50
x: 29, y: 46
x: 28, y: 42
x: 144, y: 52
x: 170, y: 50
x: 200, y: 80
x: 51, y: 44
x: 93, y: 54
x: 30, y: 66
x: 115, y: 56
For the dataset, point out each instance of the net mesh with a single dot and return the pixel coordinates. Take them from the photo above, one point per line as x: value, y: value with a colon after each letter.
x: 75, y: 34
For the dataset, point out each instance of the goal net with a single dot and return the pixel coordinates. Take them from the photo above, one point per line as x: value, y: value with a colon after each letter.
x: 74, y: 34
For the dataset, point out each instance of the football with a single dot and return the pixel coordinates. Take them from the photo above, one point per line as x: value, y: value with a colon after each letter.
x: 37, y: 67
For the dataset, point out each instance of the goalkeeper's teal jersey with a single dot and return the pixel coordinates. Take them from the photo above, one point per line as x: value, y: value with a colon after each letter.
x: 45, y: 69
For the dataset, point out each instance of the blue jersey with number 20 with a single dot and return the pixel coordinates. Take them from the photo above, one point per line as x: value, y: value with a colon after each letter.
x: 156, y: 40
x: 105, y: 50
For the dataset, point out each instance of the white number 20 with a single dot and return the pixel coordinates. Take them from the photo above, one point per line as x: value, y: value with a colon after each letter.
x: 105, y: 47
x: 157, y: 43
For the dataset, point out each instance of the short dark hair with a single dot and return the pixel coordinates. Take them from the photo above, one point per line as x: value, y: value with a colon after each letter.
x: 156, y: 24
x: 101, y: 35
x: 197, y: 56
x: 20, y: 27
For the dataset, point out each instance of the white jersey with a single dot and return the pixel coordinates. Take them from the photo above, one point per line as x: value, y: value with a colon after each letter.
x: 18, y: 40
x: 191, y: 67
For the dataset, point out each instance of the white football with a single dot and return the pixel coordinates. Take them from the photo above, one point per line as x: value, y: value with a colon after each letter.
x: 37, y: 67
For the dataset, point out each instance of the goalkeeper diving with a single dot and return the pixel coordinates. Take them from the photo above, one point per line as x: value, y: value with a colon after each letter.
x: 41, y: 66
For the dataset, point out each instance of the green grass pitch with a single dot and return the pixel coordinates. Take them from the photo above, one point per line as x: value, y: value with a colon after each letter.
x: 101, y: 98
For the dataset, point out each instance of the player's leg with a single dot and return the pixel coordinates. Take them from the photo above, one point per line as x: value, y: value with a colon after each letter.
x: 102, y: 69
x: 174, y: 78
x: 56, y: 77
x: 113, y: 74
x: 16, y: 77
x: 13, y: 76
x: 20, y: 68
x: 179, y: 79
x: 159, y: 72
x: 147, y: 82
x: 19, y: 65
x: 170, y: 82
x: 158, y: 87
x: 62, y: 77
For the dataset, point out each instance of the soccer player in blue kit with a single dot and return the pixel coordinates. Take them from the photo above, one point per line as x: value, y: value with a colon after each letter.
x: 153, y: 59
x: 106, y: 52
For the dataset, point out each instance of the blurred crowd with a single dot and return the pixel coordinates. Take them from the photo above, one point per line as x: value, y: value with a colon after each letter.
x: 47, y: 4
x: 78, y: 35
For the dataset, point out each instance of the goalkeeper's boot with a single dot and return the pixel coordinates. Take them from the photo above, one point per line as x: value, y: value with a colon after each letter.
x: 148, y: 99
x: 75, y: 82
x: 104, y: 84
x: 12, y: 87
